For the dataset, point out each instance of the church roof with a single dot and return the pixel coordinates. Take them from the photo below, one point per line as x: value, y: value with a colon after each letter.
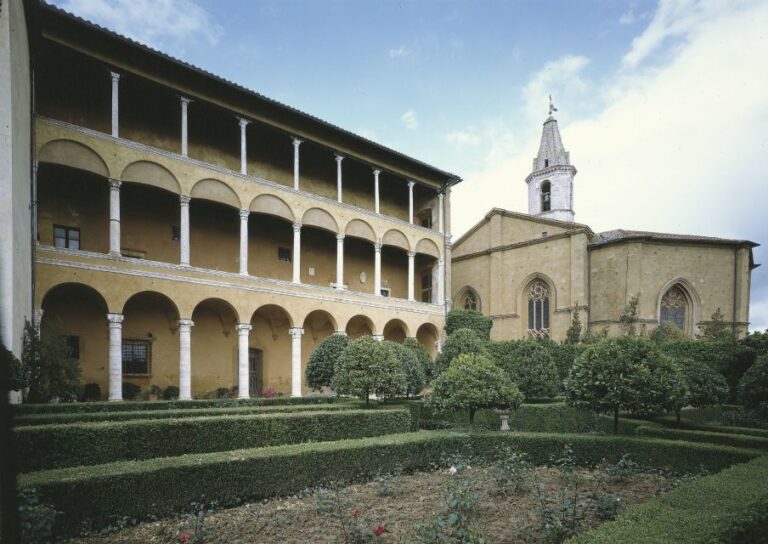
x: 551, y: 149
x: 620, y: 235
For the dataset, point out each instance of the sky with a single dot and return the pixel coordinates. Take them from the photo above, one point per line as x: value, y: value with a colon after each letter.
x: 662, y: 105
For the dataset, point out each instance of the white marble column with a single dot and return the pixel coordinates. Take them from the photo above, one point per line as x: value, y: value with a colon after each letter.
x: 184, y: 133
x: 115, y: 356
x: 115, y: 104
x: 184, y: 228
x: 340, y: 261
x: 441, y: 282
x: 339, y: 159
x: 244, y: 241
x: 296, y: 373
x: 296, y: 144
x: 243, y: 150
x: 378, y: 337
x: 410, y: 201
x: 243, y: 368
x: 376, y: 173
x: 440, y: 211
x: 114, y: 217
x: 185, y: 358
x: 377, y: 269
x: 296, y: 253
x: 411, y: 274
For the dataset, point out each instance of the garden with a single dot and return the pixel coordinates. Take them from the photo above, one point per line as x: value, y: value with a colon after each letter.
x: 637, y: 438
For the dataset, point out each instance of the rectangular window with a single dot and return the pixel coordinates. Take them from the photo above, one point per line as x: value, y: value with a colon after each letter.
x: 66, y: 237
x: 284, y: 254
x: 426, y: 288
x: 424, y: 218
x: 73, y: 343
x: 136, y: 356
x: 385, y: 291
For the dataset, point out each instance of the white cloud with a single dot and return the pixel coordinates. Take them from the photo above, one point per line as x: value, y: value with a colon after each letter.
x: 159, y: 23
x: 409, y: 120
x: 463, y: 138
x: 557, y: 77
x: 400, y: 52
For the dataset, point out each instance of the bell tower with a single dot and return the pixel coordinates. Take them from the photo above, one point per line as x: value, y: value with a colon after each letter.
x: 550, y: 184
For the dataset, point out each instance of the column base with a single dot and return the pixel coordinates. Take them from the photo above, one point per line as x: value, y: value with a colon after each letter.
x: 339, y: 287
x: 117, y: 399
x: 115, y: 254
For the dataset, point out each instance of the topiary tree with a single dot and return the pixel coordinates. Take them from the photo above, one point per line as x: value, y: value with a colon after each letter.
x: 629, y: 318
x: 706, y: 386
x: 469, y: 319
x: 367, y: 367
x: 753, y: 386
x: 460, y: 342
x: 573, y: 334
x: 323, y: 360
x: 412, y: 368
x: 717, y: 329
x: 422, y: 355
x: 472, y: 382
x: 667, y: 332
x: 532, y: 368
x: 53, y: 372
x: 623, y: 373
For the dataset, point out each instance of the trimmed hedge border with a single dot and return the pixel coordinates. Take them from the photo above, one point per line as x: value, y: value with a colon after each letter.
x: 671, y: 421
x: 725, y: 439
x: 88, y: 417
x: 125, y: 406
x: 54, y: 446
x: 164, y: 486
x: 729, y: 507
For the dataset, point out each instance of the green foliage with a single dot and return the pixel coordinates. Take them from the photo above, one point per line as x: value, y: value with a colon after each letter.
x: 724, y: 439
x: 323, y: 360
x: 459, y: 342
x: 131, y: 391
x: 457, y: 523
x: 473, y: 382
x: 511, y: 473
x: 423, y: 356
x: 667, y: 332
x: 757, y: 341
x: 36, y: 520
x: 412, y: 368
x: 706, y: 386
x: 53, y: 372
x: 18, y: 374
x: 753, y: 386
x: 52, y: 446
x: 469, y: 319
x: 91, y: 392
x: 573, y: 334
x: 627, y: 373
x: 717, y: 330
x: 531, y: 367
x: 629, y: 317
x: 171, y: 393
x: 366, y: 367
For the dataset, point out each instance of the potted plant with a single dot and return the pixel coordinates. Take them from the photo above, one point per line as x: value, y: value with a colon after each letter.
x: 154, y: 392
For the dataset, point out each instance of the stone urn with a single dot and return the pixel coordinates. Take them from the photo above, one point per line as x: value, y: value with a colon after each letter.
x: 504, y: 415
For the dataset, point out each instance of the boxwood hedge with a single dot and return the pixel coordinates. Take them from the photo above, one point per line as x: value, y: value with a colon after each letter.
x: 671, y: 421
x: 729, y: 507
x: 726, y: 439
x: 163, y: 486
x: 51, y: 446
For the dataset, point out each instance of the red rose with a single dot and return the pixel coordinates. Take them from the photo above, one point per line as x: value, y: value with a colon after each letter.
x: 380, y: 530
x: 184, y: 537
x: 356, y: 512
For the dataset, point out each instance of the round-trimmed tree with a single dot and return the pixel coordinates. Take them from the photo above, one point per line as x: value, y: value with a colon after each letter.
x: 367, y: 367
x: 421, y: 353
x: 532, y: 368
x: 460, y: 342
x: 469, y: 319
x: 472, y: 382
x: 412, y: 368
x: 753, y: 386
x: 706, y: 386
x: 322, y: 361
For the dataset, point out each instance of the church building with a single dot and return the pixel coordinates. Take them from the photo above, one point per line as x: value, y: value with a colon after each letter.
x: 531, y: 272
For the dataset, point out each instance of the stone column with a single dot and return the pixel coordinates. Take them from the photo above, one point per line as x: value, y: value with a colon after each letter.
x: 296, y: 373
x: 297, y: 253
x: 339, y: 158
x: 115, y: 104
x: 114, y: 217
x: 377, y: 269
x: 411, y: 274
x: 339, y: 261
x: 440, y: 211
x: 376, y: 173
x: 243, y: 152
x: 115, y: 356
x: 441, y: 282
x: 296, y: 144
x: 184, y: 228
x: 184, y: 133
x: 244, y: 241
x: 185, y: 358
x: 243, y: 368
x: 378, y: 337
x: 410, y: 201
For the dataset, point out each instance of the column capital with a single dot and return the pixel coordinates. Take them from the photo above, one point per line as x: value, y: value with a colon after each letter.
x: 377, y: 247
x: 378, y: 337
x: 297, y: 227
x: 340, y: 237
x: 440, y: 195
x: 411, y: 254
x: 184, y: 199
x: 297, y: 142
x: 114, y: 183
x: 186, y: 324
x: 296, y: 332
x: 411, y: 183
x: 184, y: 100
x: 376, y: 172
x: 243, y: 122
x: 244, y: 214
x: 340, y: 333
x: 115, y: 320
x: 338, y: 157
x: 115, y: 75
x: 243, y: 328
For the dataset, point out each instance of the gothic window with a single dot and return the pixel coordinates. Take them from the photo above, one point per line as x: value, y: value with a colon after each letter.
x: 470, y: 301
x: 546, y: 196
x: 674, y: 307
x: 538, y: 309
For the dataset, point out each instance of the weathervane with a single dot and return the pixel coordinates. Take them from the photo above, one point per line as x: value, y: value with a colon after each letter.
x: 552, y: 107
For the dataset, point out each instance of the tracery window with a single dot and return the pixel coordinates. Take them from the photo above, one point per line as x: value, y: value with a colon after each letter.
x: 470, y: 301
x: 538, y: 309
x: 546, y: 196
x: 674, y: 307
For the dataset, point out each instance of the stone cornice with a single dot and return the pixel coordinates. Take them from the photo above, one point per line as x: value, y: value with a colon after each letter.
x: 517, y: 245
x: 548, y: 171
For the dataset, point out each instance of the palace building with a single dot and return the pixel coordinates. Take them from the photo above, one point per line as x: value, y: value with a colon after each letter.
x: 183, y: 230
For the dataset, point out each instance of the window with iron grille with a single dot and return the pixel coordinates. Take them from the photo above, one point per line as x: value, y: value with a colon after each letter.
x: 66, y: 237
x: 426, y: 288
x: 136, y: 356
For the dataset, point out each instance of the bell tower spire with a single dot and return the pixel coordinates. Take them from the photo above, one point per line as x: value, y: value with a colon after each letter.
x: 550, y: 184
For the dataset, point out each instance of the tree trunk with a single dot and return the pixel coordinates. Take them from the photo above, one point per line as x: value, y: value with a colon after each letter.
x: 366, y: 399
x: 471, y: 417
x: 616, y: 420
x: 677, y: 416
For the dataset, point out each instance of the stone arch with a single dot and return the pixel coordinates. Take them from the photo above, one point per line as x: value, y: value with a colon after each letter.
x: 275, y: 314
x: 394, y: 237
x: 73, y: 154
x: 547, y: 307
x: 396, y: 330
x: 156, y: 298
x: 270, y: 345
x: 693, y: 316
x: 319, y: 318
x: 359, y: 325
x: 428, y: 247
x: 360, y: 229
x: 220, y: 306
x: 151, y: 173
x: 83, y: 289
x: 461, y: 301
x: 272, y: 205
x: 317, y: 217
x: 317, y: 325
x: 217, y: 191
x: 428, y: 335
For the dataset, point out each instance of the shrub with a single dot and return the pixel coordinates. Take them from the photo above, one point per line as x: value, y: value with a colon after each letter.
x: 91, y: 392
x: 756, y: 341
x: 753, y: 386
x: 412, y: 368
x: 422, y: 355
x: 36, y: 520
x: 573, y: 334
x: 531, y: 367
x: 367, y: 367
x: 723, y: 439
x: 53, y: 372
x: 131, y: 391
x: 564, y: 356
x: 49, y: 446
x: 706, y: 386
x: 460, y: 342
x: 171, y: 393
x: 717, y: 330
x: 18, y: 376
x: 323, y: 360
x: 473, y: 382
x: 468, y: 319
x: 667, y: 332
